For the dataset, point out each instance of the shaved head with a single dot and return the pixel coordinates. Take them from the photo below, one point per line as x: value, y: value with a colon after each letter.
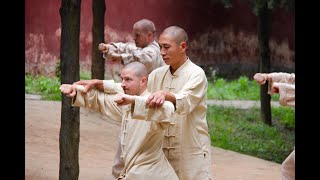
x: 138, y: 68
x: 176, y: 33
x: 134, y: 77
x: 146, y: 25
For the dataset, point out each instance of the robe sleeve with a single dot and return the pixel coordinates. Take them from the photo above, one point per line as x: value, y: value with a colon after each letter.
x: 280, y: 77
x: 98, y: 101
x: 126, y: 51
x: 162, y: 114
x: 111, y: 87
x: 146, y: 56
x: 191, y: 94
x: 287, y: 94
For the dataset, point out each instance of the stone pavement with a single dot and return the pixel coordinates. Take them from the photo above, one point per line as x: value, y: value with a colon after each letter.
x: 98, y: 135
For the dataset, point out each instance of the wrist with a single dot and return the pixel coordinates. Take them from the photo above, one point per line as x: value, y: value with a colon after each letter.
x: 165, y: 95
x: 265, y: 76
x: 98, y: 84
x: 268, y: 77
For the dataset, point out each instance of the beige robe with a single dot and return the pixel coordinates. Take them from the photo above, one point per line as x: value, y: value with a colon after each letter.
x: 286, y: 83
x: 141, y: 141
x: 150, y: 55
x: 288, y: 167
x: 187, y: 142
x: 141, y: 133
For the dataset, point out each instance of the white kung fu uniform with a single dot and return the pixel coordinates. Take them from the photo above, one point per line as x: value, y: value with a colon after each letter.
x: 141, y: 135
x: 286, y: 84
x: 187, y: 143
x: 149, y: 56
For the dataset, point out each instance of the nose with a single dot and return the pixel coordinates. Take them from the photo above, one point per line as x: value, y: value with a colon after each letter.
x: 123, y: 84
x: 162, y: 52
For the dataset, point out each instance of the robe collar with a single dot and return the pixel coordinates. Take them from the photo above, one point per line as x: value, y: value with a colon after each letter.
x: 179, y: 70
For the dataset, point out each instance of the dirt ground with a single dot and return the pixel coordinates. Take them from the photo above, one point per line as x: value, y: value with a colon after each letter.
x: 98, y: 137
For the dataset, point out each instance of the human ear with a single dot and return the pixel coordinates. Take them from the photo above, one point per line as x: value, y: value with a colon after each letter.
x: 144, y: 80
x: 183, y: 46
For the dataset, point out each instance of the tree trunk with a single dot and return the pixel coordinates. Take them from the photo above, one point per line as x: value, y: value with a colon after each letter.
x: 69, y: 55
x: 264, y: 64
x: 97, y: 66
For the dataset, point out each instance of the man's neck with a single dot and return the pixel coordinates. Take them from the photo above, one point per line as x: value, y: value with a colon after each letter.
x: 179, y: 64
x: 142, y: 91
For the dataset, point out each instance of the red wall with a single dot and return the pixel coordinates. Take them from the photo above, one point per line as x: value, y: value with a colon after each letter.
x: 217, y: 35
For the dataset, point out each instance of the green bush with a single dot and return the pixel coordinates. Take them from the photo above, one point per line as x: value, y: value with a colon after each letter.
x: 242, y: 130
x: 47, y: 87
x: 239, y: 89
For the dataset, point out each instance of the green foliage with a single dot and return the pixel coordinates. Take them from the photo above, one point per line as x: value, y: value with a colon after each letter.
x: 58, y: 69
x: 239, y: 89
x: 85, y: 75
x: 47, y: 87
x: 285, y: 115
x: 243, y: 131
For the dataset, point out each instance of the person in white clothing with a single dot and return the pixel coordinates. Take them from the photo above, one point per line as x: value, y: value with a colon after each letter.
x: 284, y: 84
x: 187, y: 143
x: 141, y: 129
x: 145, y: 49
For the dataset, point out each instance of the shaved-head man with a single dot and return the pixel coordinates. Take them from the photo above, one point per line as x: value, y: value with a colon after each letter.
x: 145, y: 50
x: 142, y: 129
x: 187, y: 143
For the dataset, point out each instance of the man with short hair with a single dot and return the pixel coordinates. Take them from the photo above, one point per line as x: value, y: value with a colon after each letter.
x: 145, y: 49
x: 141, y: 129
x: 187, y: 143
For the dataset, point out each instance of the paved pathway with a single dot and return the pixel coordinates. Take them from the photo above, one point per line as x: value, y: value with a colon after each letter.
x: 98, y: 135
x: 240, y: 104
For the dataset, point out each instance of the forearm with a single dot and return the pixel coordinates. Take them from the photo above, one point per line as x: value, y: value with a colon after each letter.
x: 282, y: 77
x: 161, y: 114
x: 99, y: 102
x: 287, y: 94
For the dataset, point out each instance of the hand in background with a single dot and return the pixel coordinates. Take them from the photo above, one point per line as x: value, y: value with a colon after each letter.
x: 261, y: 78
x: 275, y: 88
x: 68, y: 89
x: 104, y: 48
